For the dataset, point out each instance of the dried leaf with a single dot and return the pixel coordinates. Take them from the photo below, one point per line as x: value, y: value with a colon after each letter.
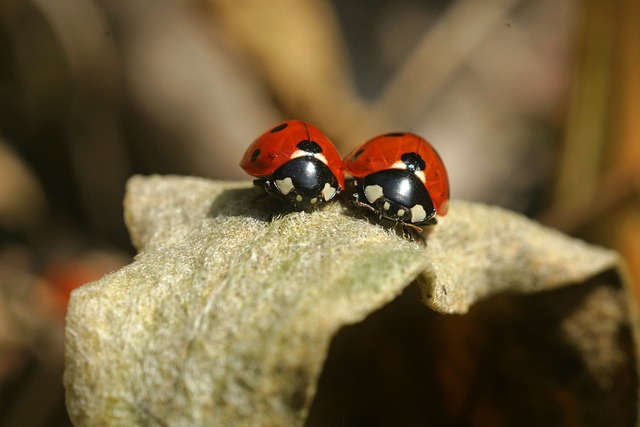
x: 226, y: 316
x: 300, y: 50
x: 481, y: 250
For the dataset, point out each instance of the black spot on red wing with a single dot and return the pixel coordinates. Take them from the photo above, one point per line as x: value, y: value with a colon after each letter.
x: 279, y: 127
x: 309, y: 146
x: 393, y: 134
x: 255, y: 154
x: 413, y: 161
x: 357, y: 154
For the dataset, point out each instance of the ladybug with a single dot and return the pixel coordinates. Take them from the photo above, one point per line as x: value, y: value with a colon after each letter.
x: 296, y: 162
x: 401, y: 178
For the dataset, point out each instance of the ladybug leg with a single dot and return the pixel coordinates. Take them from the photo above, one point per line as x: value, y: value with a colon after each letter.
x: 270, y: 190
x: 266, y: 184
x: 356, y: 202
x: 260, y: 183
x: 431, y: 220
x: 411, y: 232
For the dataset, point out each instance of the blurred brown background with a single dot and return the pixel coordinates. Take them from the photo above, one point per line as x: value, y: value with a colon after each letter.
x: 533, y: 105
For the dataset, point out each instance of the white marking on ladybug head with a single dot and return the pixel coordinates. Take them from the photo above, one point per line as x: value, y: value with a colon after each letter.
x: 298, y: 198
x: 386, y: 206
x: 400, y: 212
x: 418, y: 214
x: 313, y: 201
x: 402, y: 165
x: 285, y: 185
x: 399, y: 165
x: 373, y: 193
x: 299, y: 153
x: 322, y: 158
x: 328, y: 191
x: 302, y: 153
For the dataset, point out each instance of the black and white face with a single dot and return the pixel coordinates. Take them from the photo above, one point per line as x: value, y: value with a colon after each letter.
x: 305, y: 181
x: 398, y: 195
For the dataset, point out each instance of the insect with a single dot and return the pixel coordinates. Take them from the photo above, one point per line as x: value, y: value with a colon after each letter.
x: 400, y: 178
x: 297, y: 163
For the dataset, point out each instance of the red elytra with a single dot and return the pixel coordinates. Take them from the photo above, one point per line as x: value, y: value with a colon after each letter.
x: 279, y: 145
x: 385, y: 152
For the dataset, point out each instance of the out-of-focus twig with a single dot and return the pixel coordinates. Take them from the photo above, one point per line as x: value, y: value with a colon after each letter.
x: 589, y: 204
x: 22, y: 199
x: 602, y: 125
x: 598, y: 186
x: 441, y: 52
x: 300, y: 49
x: 98, y: 154
x: 586, y: 125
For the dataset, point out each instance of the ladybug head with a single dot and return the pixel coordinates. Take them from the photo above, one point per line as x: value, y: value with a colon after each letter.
x: 310, y: 147
x: 413, y: 161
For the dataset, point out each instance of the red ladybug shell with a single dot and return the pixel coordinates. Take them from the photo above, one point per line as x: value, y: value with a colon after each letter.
x: 277, y: 146
x: 384, y: 152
